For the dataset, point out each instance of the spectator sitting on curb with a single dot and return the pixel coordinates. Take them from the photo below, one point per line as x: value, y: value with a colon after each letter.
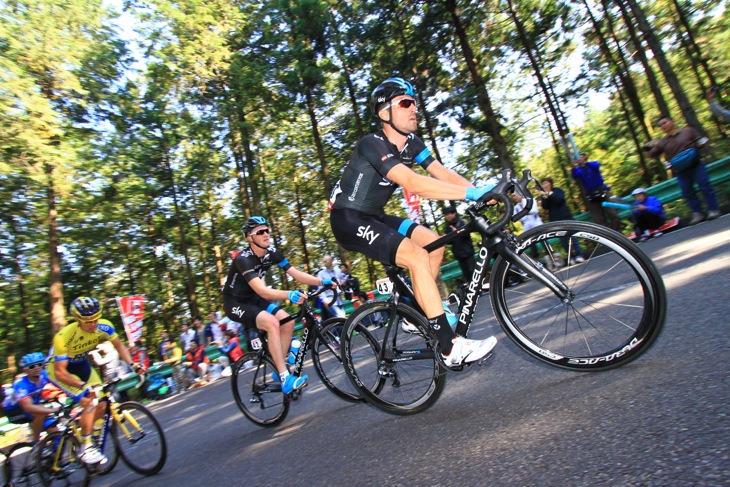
x: 648, y: 214
x: 196, y: 365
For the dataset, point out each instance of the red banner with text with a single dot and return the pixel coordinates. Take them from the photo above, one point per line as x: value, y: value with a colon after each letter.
x: 413, y: 205
x: 131, y: 308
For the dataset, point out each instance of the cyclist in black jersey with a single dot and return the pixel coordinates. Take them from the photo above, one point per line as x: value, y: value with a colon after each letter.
x: 247, y: 298
x: 380, y: 163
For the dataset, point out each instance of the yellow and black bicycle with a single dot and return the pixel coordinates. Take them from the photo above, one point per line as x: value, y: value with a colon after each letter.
x: 128, y: 430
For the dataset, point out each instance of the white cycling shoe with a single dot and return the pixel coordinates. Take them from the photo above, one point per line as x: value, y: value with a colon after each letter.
x: 466, y: 351
x: 91, y: 456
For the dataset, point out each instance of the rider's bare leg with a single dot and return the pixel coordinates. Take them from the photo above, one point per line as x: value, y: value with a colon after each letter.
x: 268, y: 322
x: 411, y: 255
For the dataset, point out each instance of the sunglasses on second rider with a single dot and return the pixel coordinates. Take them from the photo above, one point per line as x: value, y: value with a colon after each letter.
x: 261, y: 232
x: 403, y: 103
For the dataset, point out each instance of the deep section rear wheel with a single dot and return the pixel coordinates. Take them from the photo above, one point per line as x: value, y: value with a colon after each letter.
x: 258, y: 396
x: 328, y: 361
x: 20, y: 466
x: 402, y: 375
x: 615, y: 309
x: 58, y: 463
x: 139, y: 439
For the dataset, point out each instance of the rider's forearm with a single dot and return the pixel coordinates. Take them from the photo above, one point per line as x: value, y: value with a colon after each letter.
x: 69, y: 379
x: 304, y: 278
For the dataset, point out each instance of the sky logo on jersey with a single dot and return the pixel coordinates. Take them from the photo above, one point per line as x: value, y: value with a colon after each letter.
x: 367, y: 234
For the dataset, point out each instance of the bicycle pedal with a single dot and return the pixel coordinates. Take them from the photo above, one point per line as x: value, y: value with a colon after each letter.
x: 485, y: 358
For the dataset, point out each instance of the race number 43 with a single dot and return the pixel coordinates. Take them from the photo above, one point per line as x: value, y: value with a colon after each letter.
x: 384, y: 286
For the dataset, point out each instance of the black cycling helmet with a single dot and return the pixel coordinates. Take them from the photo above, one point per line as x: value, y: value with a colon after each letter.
x: 251, y: 223
x: 387, y: 90
x: 85, y: 309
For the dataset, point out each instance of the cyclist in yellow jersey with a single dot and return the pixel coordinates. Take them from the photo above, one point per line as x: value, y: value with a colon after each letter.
x: 71, y: 370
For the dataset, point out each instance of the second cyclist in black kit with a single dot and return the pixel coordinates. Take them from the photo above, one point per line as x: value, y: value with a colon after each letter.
x: 380, y: 163
x: 247, y: 298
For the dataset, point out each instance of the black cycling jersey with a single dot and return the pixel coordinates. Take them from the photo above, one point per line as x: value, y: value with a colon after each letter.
x: 363, y: 186
x: 247, y: 265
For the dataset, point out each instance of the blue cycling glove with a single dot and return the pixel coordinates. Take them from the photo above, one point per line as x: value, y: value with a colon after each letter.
x: 295, y: 296
x: 326, y: 281
x: 84, y: 394
x: 474, y: 194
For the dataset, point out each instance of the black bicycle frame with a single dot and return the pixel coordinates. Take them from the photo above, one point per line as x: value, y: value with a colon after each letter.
x: 494, y: 242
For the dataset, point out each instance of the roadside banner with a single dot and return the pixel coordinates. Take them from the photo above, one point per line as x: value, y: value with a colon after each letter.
x: 131, y: 308
x: 413, y: 205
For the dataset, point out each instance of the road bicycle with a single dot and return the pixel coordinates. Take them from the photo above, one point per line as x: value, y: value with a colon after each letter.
x: 588, y: 312
x: 259, y: 396
x: 128, y: 430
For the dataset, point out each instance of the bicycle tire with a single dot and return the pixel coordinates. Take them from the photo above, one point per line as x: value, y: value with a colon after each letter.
x: 409, y: 378
x: 328, y: 360
x: 616, y: 309
x: 58, y: 463
x: 20, y: 465
x: 257, y: 395
x: 145, y: 450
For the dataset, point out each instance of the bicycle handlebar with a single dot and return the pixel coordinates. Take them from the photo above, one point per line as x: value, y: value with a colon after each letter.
x: 500, y: 192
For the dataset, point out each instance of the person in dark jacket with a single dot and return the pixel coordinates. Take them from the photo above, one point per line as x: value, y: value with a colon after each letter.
x: 462, y: 247
x: 554, y: 202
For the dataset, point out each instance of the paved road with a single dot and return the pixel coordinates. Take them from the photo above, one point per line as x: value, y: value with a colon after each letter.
x: 661, y: 420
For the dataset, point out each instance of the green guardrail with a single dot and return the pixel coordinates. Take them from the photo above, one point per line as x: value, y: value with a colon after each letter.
x: 666, y: 191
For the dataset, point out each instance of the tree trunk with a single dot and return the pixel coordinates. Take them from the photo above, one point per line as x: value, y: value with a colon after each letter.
x: 494, y: 127
x: 181, y: 226
x: 55, y: 288
x: 552, y: 102
x: 622, y: 71
x: 640, y: 55
x: 652, y: 41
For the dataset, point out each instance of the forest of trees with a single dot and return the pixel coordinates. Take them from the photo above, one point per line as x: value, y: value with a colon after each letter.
x: 136, y: 139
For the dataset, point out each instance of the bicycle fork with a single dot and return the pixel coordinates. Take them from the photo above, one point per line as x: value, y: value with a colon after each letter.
x: 126, y: 418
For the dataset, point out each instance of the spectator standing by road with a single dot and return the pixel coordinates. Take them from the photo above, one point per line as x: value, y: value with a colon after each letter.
x: 589, y: 177
x: 186, y: 336
x: 553, y: 200
x: 213, y: 329
x: 462, y: 247
x: 648, y: 214
x: 530, y: 220
x: 331, y: 301
x: 350, y: 284
x: 720, y: 112
x: 676, y: 141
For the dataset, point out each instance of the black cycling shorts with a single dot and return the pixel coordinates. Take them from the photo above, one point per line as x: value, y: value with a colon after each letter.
x: 245, y: 312
x: 376, y: 236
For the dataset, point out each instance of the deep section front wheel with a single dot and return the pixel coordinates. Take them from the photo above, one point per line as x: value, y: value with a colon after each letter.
x: 402, y: 375
x: 258, y: 396
x: 139, y: 439
x: 614, y: 309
